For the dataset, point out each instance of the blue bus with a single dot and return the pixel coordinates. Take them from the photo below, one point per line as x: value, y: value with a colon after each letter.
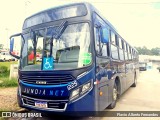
x: 85, y: 64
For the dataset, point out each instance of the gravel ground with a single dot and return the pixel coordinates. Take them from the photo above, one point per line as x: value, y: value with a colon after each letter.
x: 8, y: 99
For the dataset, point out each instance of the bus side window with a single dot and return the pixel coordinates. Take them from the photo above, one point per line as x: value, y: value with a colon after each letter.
x: 97, y: 42
x: 114, y: 48
x: 121, y: 53
x: 101, y: 48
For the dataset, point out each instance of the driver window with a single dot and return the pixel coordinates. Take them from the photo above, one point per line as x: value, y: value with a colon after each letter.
x: 101, y: 48
x: 97, y: 43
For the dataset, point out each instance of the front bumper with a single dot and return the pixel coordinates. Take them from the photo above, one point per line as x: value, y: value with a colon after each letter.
x: 80, y: 104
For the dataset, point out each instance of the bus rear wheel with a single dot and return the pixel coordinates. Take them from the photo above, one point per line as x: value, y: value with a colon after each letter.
x: 115, y: 96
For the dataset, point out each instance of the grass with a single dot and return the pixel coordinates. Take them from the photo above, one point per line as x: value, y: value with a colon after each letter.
x: 2, y: 118
x: 6, y: 82
x: 4, y: 77
x: 7, y: 64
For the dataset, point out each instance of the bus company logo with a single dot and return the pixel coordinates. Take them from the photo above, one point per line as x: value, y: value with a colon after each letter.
x: 41, y: 82
x: 34, y: 91
x: 43, y: 92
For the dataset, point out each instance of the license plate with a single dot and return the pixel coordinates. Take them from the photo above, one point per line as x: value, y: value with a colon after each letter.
x: 41, y: 104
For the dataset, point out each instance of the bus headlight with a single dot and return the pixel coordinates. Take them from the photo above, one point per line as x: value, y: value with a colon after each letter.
x: 85, y: 87
x: 75, y: 93
x: 81, y: 90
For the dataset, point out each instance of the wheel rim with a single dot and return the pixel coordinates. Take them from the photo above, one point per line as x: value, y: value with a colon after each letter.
x: 114, y: 94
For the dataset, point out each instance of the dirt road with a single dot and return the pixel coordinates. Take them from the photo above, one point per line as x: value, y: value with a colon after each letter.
x: 8, y: 100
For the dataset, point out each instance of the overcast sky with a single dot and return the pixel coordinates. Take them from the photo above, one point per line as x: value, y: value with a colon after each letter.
x: 137, y: 21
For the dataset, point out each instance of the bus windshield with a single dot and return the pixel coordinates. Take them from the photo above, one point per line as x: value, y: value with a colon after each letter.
x: 69, y: 51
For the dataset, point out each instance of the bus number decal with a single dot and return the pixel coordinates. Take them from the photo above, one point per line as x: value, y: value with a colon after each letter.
x: 72, y: 85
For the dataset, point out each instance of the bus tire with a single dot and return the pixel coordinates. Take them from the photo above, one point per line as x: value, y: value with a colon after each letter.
x: 135, y: 81
x: 115, y: 96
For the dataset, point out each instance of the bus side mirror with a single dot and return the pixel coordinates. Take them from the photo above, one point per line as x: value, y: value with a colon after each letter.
x: 11, y: 44
x: 15, y: 45
x: 104, y: 35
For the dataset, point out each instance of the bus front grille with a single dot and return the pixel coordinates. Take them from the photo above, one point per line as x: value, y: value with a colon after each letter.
x: 52, y: 104
x: 46, y: 79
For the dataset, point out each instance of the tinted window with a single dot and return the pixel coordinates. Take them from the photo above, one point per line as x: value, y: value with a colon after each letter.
x: 113, y: 39
x: 126, y: 56
x: 124, y: 46
x: 129, y: 56
x: 120, y: 43
x: 97, y: 42
x: 116, y: 40
x: 101, y: 48
x: 55, y: 14
x: 114, y: 52
x: 121, y: 54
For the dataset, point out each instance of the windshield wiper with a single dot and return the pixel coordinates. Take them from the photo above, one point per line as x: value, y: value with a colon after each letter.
x: 59, y: 32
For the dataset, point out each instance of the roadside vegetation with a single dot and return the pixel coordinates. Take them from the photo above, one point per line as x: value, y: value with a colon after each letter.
x: 8, y: 88
x: 4, y: 75
x: 145, y: 51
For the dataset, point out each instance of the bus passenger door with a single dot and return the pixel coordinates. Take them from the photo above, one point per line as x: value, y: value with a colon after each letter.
x: 103, y: 83
x: 102, y: 63
x: 101, y: 35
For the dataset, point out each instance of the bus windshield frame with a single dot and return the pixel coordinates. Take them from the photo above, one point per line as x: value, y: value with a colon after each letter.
x: 70, y: 51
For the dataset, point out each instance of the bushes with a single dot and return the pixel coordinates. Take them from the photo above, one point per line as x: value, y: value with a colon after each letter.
x: 4, y: 72
x: 5, y: 82
x: 4, y: 78
x: 3, y: 69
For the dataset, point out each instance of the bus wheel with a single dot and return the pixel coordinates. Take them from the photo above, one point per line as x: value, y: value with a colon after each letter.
x: 115, y: 96
x: 135, y: 81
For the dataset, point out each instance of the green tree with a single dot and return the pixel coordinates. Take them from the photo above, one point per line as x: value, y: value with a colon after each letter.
x: 145, y: 51
x: 155, y: 51
x: 39, y: 49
